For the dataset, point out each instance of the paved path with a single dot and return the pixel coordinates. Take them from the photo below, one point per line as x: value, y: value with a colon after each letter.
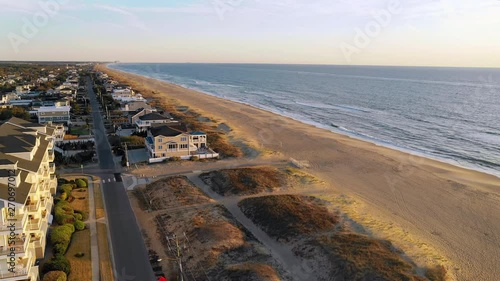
x: 128, y: 251
x: 94, y: 245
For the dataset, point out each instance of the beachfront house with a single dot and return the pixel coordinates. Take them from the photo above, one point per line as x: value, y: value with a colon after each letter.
x: 53, y: 114
x: 27, y: 183
x: 146, y: 121
x: 136, y: 105
x: 164, y: 142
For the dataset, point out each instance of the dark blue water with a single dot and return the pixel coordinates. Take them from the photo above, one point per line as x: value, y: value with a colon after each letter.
x: 451, y: 114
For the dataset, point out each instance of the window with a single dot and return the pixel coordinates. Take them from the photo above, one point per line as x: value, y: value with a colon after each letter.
x: 184, y: 146
x: 160, y: 147
x: 160, y: 140
x: 184, y: 139
x: 172, y: 146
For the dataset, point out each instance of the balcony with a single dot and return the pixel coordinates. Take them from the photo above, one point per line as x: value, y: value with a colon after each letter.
x: 23, y: 268
x: 51, y: 144
x: 17, y: 246
x: 34, y: 224
x: 15, y: 223
x: 51, y: 155
x: 52, y: 168
x: 33, y: 206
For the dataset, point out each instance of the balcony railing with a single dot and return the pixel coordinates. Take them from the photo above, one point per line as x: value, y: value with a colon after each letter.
x: 34, y: 224
x: 51, y: 155
x: 16, y: 222
x: 18, y: 245
x: 52, y: 168
x: 23, y: 268
x: 33, y: 206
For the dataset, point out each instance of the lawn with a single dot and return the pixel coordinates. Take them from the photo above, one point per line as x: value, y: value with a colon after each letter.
x: 77, y: 131
x: 81, y: 267
x: 105, y: 266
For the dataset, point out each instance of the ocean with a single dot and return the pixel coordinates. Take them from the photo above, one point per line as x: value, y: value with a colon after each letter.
x: 449, y: 114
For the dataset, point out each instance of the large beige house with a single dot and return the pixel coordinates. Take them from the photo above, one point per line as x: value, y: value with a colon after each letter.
x: 165, y: 142
x: 27, y: 183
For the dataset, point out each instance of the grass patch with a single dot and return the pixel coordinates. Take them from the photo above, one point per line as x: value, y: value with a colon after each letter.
x: 288, y: 216
x: 98, y: 203
x: 162, y: 192
x: 81, y: 267
x: 244, y: 181
x: 359, y: 257
x: 251, y: 271
x: 80, y: 204
x: 105, y: 266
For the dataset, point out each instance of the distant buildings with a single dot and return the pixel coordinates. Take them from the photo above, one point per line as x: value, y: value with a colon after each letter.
x: 27, y: 183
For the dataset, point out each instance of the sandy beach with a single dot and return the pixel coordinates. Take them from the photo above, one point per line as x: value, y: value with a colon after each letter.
x: 433, y: 211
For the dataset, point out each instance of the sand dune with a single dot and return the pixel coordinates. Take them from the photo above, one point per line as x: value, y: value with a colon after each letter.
x: 431, y: 210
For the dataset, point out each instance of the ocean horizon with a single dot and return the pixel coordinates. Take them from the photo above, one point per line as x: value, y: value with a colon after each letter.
x: 444, y: 113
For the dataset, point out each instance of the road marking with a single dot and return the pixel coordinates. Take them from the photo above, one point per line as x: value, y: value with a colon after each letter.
x: 103, y: 181
x: 109, y: 180
x: 114, y: 179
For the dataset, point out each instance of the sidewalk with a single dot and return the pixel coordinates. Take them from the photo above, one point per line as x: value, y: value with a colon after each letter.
x: 94, y: 246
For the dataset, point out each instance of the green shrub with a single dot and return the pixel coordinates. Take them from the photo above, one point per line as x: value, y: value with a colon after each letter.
x: 78, y: 216
x: 79, y: 225
x: 175, y: 158
x: 80, y: 183
x: 63, y: 196
x: 60, y: 238
x: 60, y: 248
x: 194, y: 158
x: 55, y: 276
x: 84, y: 214
x: 57, y: 263
x: 66, y: 188
x: 64, y: 213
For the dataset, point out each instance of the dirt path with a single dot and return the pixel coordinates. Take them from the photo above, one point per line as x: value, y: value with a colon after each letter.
x: 283, y: 254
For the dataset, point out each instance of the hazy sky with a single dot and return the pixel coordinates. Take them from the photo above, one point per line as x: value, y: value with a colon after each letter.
x: 424, y: 32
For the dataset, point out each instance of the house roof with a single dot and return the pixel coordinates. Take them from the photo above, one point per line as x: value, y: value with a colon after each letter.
x: 165, y: 131
x: 22, y: 190
x: 197, y: 133
x: 153, y: 116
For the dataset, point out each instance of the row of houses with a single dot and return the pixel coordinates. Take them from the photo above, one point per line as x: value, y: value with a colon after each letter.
x: 27, y: 186
x: 165, y: 137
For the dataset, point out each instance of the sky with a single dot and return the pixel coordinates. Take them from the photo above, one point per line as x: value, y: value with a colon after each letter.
x: 357, y: 32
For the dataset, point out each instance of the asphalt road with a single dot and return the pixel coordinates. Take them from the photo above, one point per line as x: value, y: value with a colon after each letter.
x: 131, y: 261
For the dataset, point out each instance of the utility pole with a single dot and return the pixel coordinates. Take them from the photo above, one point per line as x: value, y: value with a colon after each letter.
x: 179, y: 259
x: 126, y: 154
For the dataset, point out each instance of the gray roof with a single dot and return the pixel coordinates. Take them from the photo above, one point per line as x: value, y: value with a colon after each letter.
x: 165, y: 131
x: 153, y: 116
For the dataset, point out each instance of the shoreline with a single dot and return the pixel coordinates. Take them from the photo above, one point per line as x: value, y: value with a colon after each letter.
x: 335, y: 130
x: 430, y: 202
